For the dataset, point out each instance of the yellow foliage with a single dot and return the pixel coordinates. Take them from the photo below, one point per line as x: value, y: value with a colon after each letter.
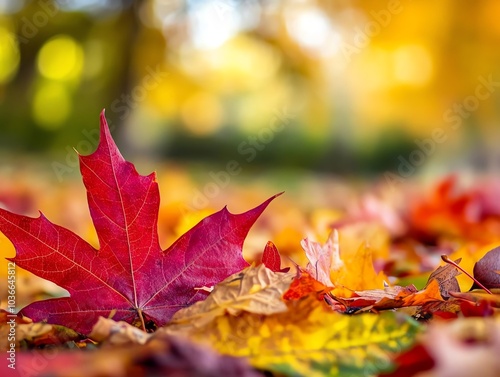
x: 309, y: 339
x: 357, y: 274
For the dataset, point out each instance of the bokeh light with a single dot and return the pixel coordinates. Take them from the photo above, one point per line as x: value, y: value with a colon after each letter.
x: 202, y: 114
x: 218, y: 70
x: 61, y: 58
x: 313, y: 30
x: 413, y: 65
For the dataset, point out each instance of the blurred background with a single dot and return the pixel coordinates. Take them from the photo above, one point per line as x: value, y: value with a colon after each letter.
x: 350, y: 87
x: 335, y: 102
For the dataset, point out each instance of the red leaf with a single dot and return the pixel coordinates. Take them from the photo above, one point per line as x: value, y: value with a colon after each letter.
x: 412, y: 362
x: 129, y: 275
x: 304, y: 285
x: 482, y: 308
x: 271, y: 258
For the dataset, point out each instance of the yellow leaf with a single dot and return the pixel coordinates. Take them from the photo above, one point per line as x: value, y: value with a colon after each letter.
x: 357, y: 274
x: 346, y: 271
x: 309, y: 339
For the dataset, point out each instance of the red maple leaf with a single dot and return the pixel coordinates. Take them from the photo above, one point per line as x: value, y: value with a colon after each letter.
x: 129, y: 276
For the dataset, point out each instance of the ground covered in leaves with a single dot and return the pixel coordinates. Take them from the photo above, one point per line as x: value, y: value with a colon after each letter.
x: 357, y: 280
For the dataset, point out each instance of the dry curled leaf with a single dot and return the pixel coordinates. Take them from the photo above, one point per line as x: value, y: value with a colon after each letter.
x: 255, y: 290
x: 446, y: 278
x: 117, y: 333
x: 323, y: 258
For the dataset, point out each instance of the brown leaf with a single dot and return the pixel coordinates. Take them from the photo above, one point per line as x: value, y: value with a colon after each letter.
x: 368, y: 299
x: 32, y: 334
x: 486, y: 270
x: 408, y: 297
x: 37, y: 334
x: 387, y: 292
x: 446, y: 278
x: 117, y: 333
x: 256, y: 290
x: 444, y: 309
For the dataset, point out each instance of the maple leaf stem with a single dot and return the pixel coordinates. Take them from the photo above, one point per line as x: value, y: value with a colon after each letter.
x: 139, y: 312
x: 449, y: 261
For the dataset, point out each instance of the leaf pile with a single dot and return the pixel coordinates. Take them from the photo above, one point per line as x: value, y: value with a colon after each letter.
x: 348, y: 308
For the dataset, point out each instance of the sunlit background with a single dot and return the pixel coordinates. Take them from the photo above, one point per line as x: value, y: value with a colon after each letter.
x: 334, y: 102
x: 349, y: 87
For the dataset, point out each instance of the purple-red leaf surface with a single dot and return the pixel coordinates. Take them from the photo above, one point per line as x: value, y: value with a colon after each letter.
x: 487, y: 270
x: 130, y: 275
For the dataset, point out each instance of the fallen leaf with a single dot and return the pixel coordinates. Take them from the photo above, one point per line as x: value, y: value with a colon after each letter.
x: 323, y: 258
x: 451, y: 212
x: 479, y: 295
x: 357, y: 273
x: 369, y: 299
x: 255, y: 290
x: 310, y: 340
x: 435, y: 308
x: 487, y: 270
x: 24, y: 333
x: 391, y: 298
x: 430, y: 293
x: 271, y: 258
x: 117, y: 333
x: 130, y: 275
x: 36, y: 334
x: 387, y: 292
x: 305, y: 285
x: 432, y: 297
x: 161, y: 356
x: 446, y: 278
x: 482, y: 308
x: 345, y: 276
x: 8, y: 325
